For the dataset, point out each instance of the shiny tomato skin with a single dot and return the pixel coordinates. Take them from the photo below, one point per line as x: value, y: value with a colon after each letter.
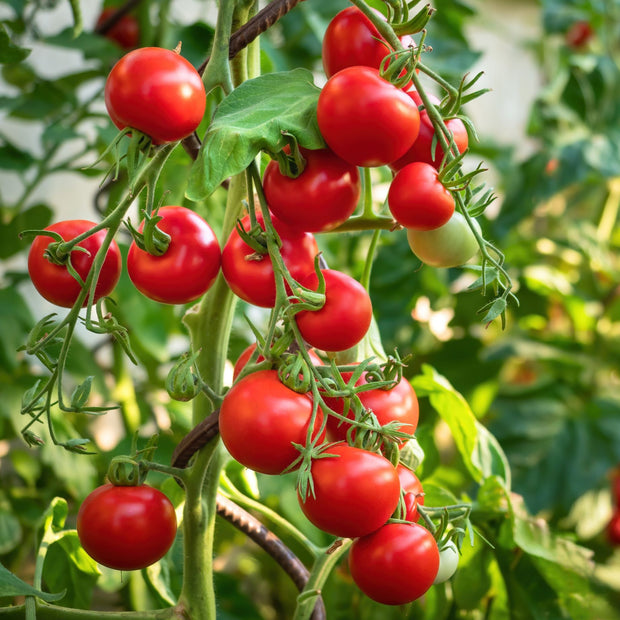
x: 344, y: 318
x: 365, y: 119
x: 396, y: 564
x: 351, y: 39
x: 422, y: 149
x: 54, y: 282
x: 413, y: 492
x: 187, y: 269
x: 398, y: 404
x: 321, y: 198
x: 125, y: 32
x: 251, y: 276
x: 417, y: 198
x: 450, y: 245
x: 126, y: 528
x: 156, y: 91
x: 260, y: 419
x: 355, y: 491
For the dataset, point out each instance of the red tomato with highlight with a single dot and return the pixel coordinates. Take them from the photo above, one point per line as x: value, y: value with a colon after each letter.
x: 355, y: 491
x: 422, y: 149
x: 157, y: 92
x: 187, y: 269
x: 125, y: 32
x: 417, y: 198
x: 260, y: 420
x: 250, y: 275
x: 412, y: 490
x: 344, y: 318
x: 398, y: 404
x: 396, y: 564
x: 351, y: 39
x: 54, y: 282
x: 126, y: 528
x: 321, y: 198
x: 365, y: 119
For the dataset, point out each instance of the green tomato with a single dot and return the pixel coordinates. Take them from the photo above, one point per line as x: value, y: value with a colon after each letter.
x: 450, y: 245
x: 448, y: 563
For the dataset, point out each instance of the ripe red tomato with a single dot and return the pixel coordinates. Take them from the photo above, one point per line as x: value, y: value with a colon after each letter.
x: 351, y: 39
x: 613, y: 529
x: 396, y: 564
x: 156, y: 91
x: 322, y: 197
x: 450, y: 245
x: 365, y: 119
x: 413, y: 492
x: 125, y: 32
x: 260, y: 419
x: 579, y: 34
x: 126, y: 528
x: 243, y: 359
x: 187, y: 269
x: 250, y: 275
x: 355, y: 491
x: 345, y: 316
x: 417, y: 198
x: 54, y: 282
x: 398, y: 404
x: 422, y: 149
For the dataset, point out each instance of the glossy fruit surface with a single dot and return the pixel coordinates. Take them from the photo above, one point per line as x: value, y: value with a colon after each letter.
x: 54, y: 282
x: 125, y: 32
x: 156, y: 91
x: 187, y: 269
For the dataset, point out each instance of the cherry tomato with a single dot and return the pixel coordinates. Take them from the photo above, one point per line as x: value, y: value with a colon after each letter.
x: 322, y: 197
x: 250, y: 275
x: 413, y: 492
x: 260, y: 420
x: 417, y: 198
x: 613, y: 529
x: 398, y: 404
x: 365, y: 119
x: 187, y: 269
x: 54, y: 282
x: 126, y: 528
x: 396, y: 564
x: 156, y: 91
x: 450, y: 245
x: 344, y: 318
x: 351, y: 39
x: 355, y: 491
x: 243, y: 359
x: 125, y: 32
x: 448, y: 563
x: 579, y: 34
x: 423, y: 148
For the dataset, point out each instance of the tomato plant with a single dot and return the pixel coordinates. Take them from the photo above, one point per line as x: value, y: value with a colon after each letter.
x: 344, y: 318
x: 354, y: 491
x: 261, y: 419
x: 187, y: 267
x: 250, y: 273
x: 351, y: 39
x: 126, y: 527
x: 156, y: 91
x: 396, y: 564
x: 418, y: 199
x: 322, y: 197
x: 54, y: 281
x: 125, y: 32
x: 450, y: 245
x: 365, y: 119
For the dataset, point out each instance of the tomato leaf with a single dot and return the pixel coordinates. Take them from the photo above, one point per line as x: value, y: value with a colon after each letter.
x: 252, y: 118
x: 9, y: 52
x: 11, y: 585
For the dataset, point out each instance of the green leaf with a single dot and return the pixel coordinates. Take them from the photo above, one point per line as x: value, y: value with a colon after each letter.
x: 10, y: 586
x: 13, y: 158
x: 15, y: 323
x: 33, y: 218
x: 9, y: 52
x: 10, y: 531
x: 252, y: 118
x: 482, y: 455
